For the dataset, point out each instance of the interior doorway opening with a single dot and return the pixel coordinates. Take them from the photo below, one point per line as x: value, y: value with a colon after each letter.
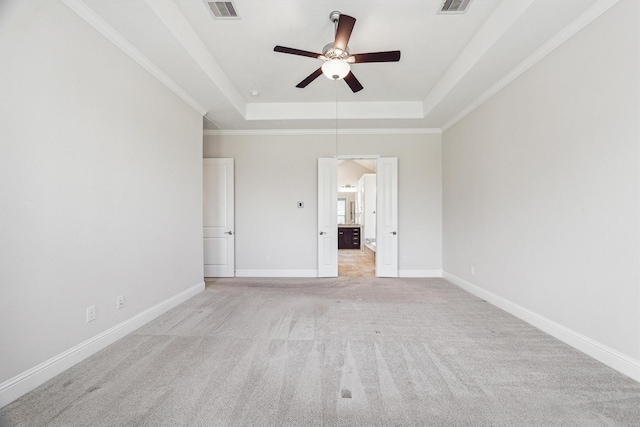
x: 386, y: 216
x: 356, y: 179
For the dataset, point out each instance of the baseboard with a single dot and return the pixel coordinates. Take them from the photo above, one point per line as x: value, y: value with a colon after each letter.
x: 602, y: 353
x: 276, y: 273
x: 420, y: 273
x: 314, y: 273
x: 23, y: 383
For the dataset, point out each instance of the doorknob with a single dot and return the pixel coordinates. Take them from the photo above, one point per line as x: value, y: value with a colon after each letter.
x: 228, y: 232
x: 394, y: 233
x: 321, y: 233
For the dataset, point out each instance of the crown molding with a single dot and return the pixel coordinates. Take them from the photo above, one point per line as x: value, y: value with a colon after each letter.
x: 569, y: 31
x: 86, y: 13
x: 267, y: 132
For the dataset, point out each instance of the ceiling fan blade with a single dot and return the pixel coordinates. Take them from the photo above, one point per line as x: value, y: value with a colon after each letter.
x: 292, y: 51
x: 389, y: 56
x: 353, y: 83
x: 317, y: 73
x: 343, y: 33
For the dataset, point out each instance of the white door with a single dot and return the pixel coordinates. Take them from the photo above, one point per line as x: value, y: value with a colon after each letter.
x: 369, y: 206
x: 219, y: 240
x: 327, y: 218
x: 387, y: 217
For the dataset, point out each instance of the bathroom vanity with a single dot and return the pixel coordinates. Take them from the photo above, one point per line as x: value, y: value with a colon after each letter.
x: 348, y: 236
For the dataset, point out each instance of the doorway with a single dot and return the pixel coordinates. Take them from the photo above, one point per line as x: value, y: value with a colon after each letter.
x: 356, y: 217
x: 386, y: 217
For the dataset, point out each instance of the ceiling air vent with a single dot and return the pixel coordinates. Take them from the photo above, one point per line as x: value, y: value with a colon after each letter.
x: 223, y: 9
x: 454, y: 6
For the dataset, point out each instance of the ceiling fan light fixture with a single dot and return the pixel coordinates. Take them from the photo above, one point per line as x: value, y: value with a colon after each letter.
x: 335, y: 69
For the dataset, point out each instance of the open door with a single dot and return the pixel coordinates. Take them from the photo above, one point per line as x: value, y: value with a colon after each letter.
x: 327, y: 218
x: 387, y: 217
x: 218, y: 218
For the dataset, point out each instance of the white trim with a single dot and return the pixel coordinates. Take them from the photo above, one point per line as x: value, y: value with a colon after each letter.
x: 602, y: 353
x: 329, y: 110
x: 420, y: 273
x: 279, y: 132
x: 86, y: 13
x: 314, y: 273
x: 23, y: 383
x: 276, y: 273
x: 358, y: 156
x: 569, y: 31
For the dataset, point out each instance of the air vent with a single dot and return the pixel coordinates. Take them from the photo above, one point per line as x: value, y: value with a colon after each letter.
x: 455, y: 6
x: 223, y: 9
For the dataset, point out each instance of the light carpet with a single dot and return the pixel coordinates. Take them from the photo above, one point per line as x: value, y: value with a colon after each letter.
x: 347, y: 351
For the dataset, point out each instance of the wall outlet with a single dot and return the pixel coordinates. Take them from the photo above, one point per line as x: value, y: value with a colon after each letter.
x: 472, y: 270
x: 120, y: 302
x: 91, y: 313
x: 268, y: 259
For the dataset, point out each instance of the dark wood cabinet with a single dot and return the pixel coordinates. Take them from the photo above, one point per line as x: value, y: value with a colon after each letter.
x: 348, y: 237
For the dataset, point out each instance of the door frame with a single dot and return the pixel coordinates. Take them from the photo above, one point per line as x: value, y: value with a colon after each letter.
x: 368, y: 157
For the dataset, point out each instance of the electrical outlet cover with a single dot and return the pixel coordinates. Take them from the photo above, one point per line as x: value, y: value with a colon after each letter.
x: 91, y: 313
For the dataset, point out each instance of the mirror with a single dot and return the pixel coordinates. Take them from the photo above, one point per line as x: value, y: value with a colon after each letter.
x: 349, y: 174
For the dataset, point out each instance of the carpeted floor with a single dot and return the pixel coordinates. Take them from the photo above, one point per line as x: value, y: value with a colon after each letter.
x: 351, y: 351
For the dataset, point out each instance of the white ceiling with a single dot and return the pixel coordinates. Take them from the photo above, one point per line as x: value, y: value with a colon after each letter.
x: 449, y: 63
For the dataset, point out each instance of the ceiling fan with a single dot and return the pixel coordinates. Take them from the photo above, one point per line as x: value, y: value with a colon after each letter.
x: 336, y: 56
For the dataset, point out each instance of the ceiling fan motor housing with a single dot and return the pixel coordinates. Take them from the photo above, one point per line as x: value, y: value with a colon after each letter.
x: 330, y: 53
x: 335, y: 65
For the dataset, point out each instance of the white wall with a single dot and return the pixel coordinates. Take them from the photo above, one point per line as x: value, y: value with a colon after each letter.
x: 100, y: 190
x: 273, y: 172
x: 541, y: 193
x: 349, y: 172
